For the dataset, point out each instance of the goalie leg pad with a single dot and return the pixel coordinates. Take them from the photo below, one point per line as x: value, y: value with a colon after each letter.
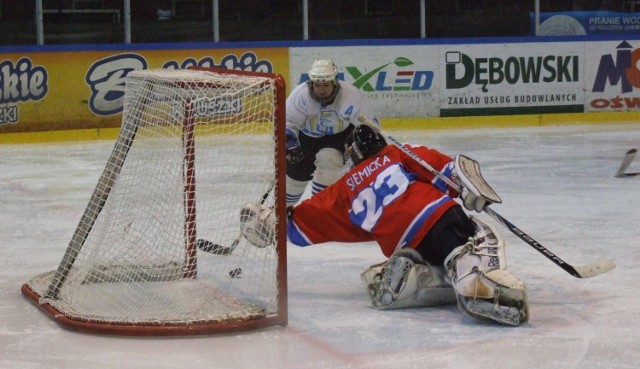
x: 258, y: 224
x: 484, y: 288
x: 407, y: 281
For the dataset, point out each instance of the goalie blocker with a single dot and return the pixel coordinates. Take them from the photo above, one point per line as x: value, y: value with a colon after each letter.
x: 476, y: 192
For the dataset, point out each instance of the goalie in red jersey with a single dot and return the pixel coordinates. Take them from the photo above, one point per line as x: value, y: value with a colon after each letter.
x: 436, y: 252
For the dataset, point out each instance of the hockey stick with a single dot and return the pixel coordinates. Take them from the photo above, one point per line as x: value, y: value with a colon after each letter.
x: 626, y: 161
x: 214, y: 248
x: 593, y: 269
x: 635, y: 174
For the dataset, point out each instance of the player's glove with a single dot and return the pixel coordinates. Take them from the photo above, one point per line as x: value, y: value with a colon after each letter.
x: 294, y: 153
x: 472, y: 200
x: 476, y: 193
x: 258, y: 223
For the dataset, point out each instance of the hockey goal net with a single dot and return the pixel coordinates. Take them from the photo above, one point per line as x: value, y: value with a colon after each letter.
x: 194, y: 146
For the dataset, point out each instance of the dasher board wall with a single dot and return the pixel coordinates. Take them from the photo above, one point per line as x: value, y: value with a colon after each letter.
x: 408, y: 82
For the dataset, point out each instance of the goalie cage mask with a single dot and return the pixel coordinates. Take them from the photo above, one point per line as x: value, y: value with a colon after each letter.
x: 362, y: 143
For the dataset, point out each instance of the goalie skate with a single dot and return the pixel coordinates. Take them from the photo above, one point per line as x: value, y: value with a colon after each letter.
x: 484, y: 288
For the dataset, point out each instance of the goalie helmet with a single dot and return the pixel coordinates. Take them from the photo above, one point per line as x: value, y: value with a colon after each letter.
x: 363, y: 142
x: 323, y: 81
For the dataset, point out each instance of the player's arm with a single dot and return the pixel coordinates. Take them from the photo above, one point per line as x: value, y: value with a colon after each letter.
x: 438, y: 161
x: 476, y: 192
x: 292, y: 145
x: 323, y: 218
x: 295, y: 120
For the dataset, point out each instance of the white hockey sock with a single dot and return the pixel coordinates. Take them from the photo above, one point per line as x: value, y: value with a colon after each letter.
x: 317, y: 187
x: 295, y: 189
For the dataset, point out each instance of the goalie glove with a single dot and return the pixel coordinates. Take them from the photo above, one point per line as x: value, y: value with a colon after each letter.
x: 476, y: 193
x: 292, y: 144
x: 258, y: 224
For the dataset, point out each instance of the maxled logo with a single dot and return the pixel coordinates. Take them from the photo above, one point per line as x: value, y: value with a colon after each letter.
x: 379, y: 80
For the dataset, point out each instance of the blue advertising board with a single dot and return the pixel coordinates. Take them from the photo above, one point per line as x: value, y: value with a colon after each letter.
x: 577, y: 23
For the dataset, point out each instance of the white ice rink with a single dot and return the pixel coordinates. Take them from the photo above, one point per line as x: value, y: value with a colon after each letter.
x: 557, y: 184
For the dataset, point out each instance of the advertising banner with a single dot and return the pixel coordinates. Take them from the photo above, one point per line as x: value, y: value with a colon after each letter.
x: 59, y: 90
x: 398, y: 81
x: 525, y: 78
x: 612, y: 72
x: 84, y: 89
x: 578, y: 23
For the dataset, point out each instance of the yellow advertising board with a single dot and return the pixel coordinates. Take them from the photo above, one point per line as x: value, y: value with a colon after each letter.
x: 63, y: 90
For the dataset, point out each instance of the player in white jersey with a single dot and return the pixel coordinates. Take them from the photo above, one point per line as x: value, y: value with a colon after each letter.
x: 320, y: 115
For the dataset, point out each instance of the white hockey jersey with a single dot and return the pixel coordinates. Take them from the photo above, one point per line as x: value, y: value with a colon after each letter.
x: 307, y: 115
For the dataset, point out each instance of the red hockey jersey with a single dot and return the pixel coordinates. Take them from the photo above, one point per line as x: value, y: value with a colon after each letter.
x: 388, y: 198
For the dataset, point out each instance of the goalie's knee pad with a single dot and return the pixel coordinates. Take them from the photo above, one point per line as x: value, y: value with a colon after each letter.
x: 329, y: 163
x: 406, y: 281
x: 484, y: 288
x: 258, y: 224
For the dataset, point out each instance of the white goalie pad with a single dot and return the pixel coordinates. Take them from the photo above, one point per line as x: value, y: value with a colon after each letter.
x: 257, y: 224
x: 484, y: 288
x: 422, y: 285
x: 476, y: 192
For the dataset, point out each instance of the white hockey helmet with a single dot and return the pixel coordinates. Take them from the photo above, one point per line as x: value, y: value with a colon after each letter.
x: 323, y: 71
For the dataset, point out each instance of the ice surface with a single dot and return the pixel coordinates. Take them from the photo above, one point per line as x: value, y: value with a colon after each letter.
x: 557, y: 184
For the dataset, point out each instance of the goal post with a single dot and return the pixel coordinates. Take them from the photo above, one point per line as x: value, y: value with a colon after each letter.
x: 194, y: 146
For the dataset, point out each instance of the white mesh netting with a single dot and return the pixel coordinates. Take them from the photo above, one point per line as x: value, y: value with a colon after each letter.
x: 194, y: 147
